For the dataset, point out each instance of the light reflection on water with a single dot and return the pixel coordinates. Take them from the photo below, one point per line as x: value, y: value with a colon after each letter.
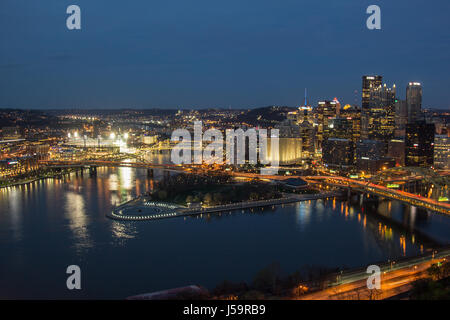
x: 303, y: 214
x: 47, y: 225
x: 15, y: 210
x: 74, y: 210
x: 122, y: 232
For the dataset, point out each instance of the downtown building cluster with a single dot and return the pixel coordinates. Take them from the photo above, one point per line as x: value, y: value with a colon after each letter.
x: 384, y: 132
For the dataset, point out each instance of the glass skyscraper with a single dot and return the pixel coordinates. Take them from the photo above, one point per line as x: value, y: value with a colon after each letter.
x: 369, y: 83
x: 414, y: 101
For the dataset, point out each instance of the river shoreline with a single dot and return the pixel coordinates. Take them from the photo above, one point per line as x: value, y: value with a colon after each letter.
x: 58, y: 175
x: 139, y: 203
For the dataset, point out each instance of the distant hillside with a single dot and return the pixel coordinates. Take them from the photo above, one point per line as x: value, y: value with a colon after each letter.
x: 25, y: 118
x: 265, y: 117
x: 115, y: 112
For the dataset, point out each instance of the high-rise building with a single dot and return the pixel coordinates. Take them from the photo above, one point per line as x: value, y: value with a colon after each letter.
x: 369, y: 83
x: 442, y: 152
x: 381, y: 114
x: 340, y: 131
x: 401, y: 117
x: 419, y: 144
x: 307, y: 131
x: 325, y: 111
x: 414, y: 101
x: 353, y: 113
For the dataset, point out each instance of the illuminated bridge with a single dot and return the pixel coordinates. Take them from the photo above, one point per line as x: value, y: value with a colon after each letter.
x: 380, y: 185
x: 375, y: 186
x: 106, y: 163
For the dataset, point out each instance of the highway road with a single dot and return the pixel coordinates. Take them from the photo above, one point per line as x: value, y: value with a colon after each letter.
x: 393, y: 282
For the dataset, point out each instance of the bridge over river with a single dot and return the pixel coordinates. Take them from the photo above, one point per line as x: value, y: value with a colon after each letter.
x: 336, y: 181
x: 380, y: 190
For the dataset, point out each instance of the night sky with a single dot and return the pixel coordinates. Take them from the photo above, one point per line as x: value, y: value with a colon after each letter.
x: 209, y: 53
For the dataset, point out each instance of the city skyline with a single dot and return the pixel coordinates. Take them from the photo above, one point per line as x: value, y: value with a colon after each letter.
x: 306, y: 99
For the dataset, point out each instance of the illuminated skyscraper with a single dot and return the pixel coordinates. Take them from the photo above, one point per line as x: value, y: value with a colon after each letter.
x: 326, y: 110
x: 414, y: 101
x: 369, y: 83
x: 353, y: 113
x: 381, y: 114
x: 307, y: 129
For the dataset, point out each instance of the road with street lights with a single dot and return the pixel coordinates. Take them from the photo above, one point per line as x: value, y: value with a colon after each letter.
x: 396, y: 278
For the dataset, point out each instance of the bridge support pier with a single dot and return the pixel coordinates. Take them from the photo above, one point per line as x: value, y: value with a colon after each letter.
x: 362, y: 198
x: 92, y: 171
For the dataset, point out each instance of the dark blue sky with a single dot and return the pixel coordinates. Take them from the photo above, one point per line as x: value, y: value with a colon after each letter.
x: 209, y: 53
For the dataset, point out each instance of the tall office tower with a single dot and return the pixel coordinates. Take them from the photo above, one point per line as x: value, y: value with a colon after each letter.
x: 401, y: 117
x: 307, y: 132
x: 381, y: 115
x: 340, y: 134
x: 442, y: 152
x: 353, y: 113
x: 419, y: 144
x: 414, y: 101
x: 326, y: 110
x: 369, y: 83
